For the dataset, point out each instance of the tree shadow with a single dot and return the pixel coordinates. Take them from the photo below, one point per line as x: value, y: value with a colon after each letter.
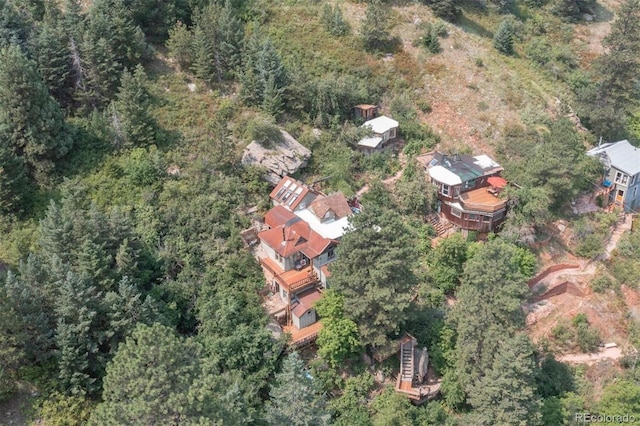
x: 602, y: 14
x: 472, y: 27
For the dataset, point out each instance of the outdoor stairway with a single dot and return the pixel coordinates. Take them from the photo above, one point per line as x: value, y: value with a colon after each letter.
x: 407, y: 362
x: 439, y: 225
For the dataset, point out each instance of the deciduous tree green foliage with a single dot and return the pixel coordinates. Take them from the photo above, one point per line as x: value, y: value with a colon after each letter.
x: 351, y: 407
x: 375, y: 26
x: 446, y: 262
x: 620, y: 398
x: 392, y: 408
x: 131, y: 120
x: 294, y: 399
x: 338, y: 339
x: 551, y: 168
x: 503, y: 39
x: 32, y: 128
x: 606, y: 105
x: 157, y: 377
x: 373, y: 274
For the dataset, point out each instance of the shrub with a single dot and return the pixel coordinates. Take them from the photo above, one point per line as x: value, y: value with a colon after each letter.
x: 588, y: 338
x: 601, y: 282
x: 445, y: 9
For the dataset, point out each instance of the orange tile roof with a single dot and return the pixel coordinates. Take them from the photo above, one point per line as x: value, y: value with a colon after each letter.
x: 277, y: 216
x: 289, y: 192
x: 337, y: 203
x: 295, y: 235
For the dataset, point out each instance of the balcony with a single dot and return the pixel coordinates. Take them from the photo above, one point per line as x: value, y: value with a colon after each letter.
x: 482, y: 200
x: 293, y: 279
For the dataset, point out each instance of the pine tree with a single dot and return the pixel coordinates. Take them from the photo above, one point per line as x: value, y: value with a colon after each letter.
x: 374, y: 29
x: 503, y: 39
x: 31, y: 122
x: 11, y: 354
x: 430, y: 40
x: 159, y: 378
x: 14, y: 184
x: 180, y: 45
x: 488, y: 310
x: 203, y: 65
x: 50, y: 48
x: 79, y: 336
x: 31, y: 295
x: 294, y: 399
x: 132, y: 106
x: 506, y: 393
x: 372, y: 272
x: 14, y: 28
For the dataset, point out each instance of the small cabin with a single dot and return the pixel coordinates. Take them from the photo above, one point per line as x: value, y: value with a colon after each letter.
x: 365, y: 112
x: 384, y: 131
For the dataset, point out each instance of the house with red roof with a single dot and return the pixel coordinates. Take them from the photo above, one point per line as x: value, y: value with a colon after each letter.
x: 298, y: 242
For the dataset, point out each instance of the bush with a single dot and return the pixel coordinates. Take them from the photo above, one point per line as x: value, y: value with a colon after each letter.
x: 587, y: 338
x: 445, y: 9
x: 601, y: 282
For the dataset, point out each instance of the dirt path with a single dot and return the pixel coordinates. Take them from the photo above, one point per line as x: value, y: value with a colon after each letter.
x: 610, y: 353
x: 617, y: 234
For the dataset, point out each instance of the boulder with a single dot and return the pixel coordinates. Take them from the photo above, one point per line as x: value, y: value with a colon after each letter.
x: 285, y: 157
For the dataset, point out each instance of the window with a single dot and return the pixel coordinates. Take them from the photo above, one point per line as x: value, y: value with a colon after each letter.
x: 331, y: 253
x: 470, y: 184
x: 456, y: 212
x: 635, y: 191
x: 486, y: 219
x: 633, y: 180
x: 445, y: 189
x: 392, y: 133
x: 621, y: 178
x: 473, y: 217
x: 456, y: 192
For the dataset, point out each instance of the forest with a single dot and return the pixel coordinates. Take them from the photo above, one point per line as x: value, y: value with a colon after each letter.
x: 127, y: 295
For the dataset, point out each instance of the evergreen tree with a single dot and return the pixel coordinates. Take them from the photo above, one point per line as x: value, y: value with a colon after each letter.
x: 265, y: 77
x: 32, y: 297
x: 180, y: 45
x: 614, y: 97
x: 32, y: 126
x: 294, y: 399
x: 158, y: 378
x: 14, y: 184
x: 79, y: 336
x: 50, y: 48
x: 488, y: 310
x: 156, y: 17
x: 430, y: 40
x: 373, y: 273
x: 374, y: 29
x: 132, y: 106
x: 203, y: 65
x: 14, y: 28
x: 506, y: 393
x: 503, y: 39
x: 333, y: 20
x: 11, y: 354
x: 111, y: 43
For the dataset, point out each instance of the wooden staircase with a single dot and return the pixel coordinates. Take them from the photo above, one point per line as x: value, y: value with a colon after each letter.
x: 406, y: 356
x: 440, y: 226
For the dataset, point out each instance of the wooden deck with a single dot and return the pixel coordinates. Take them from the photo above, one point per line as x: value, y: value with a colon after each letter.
x: 482, y: 200
x: 291, y: 280
x: 303, y: 337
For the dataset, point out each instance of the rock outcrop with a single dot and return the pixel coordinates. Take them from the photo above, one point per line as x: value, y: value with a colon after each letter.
x: 285, y: 157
